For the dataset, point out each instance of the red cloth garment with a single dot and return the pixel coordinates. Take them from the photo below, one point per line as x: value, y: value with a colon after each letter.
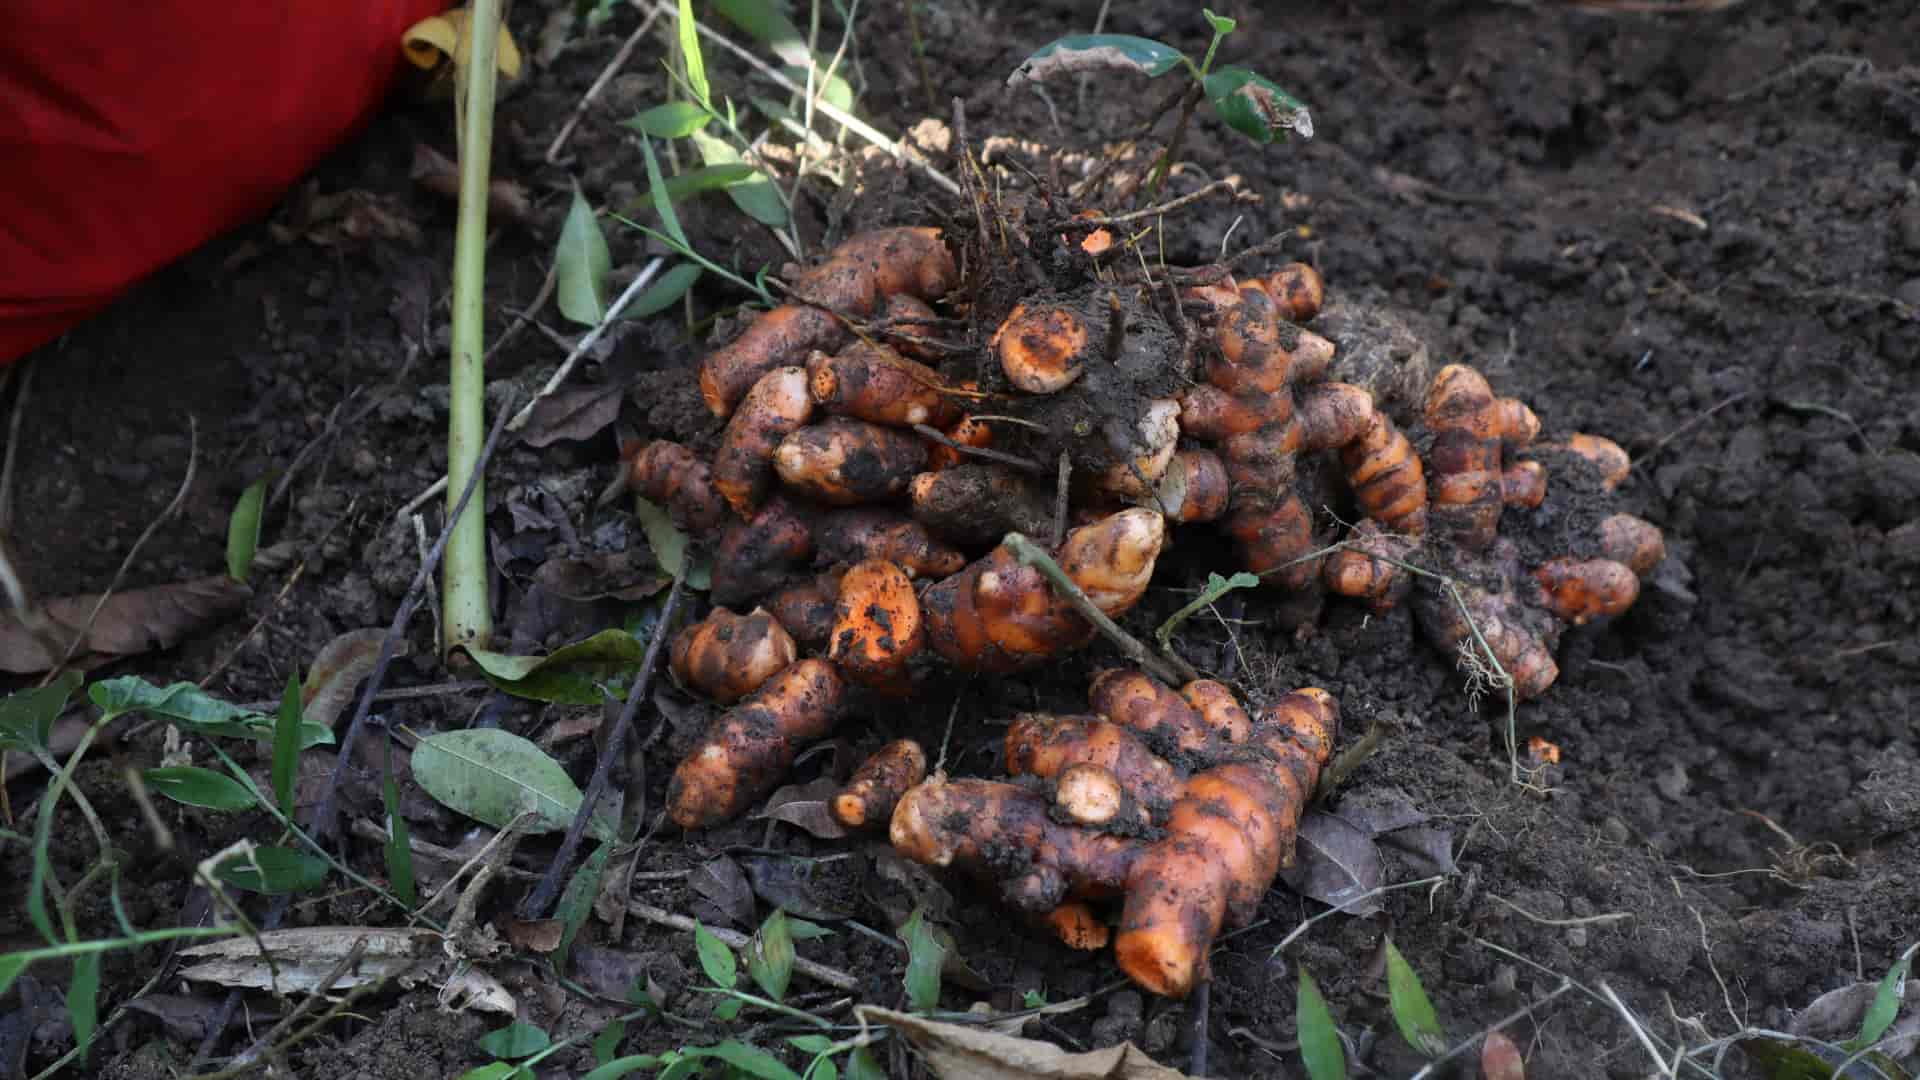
x: 130, y: 133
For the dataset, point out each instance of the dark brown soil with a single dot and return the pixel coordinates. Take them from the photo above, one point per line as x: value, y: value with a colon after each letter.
x: 1698, y: 233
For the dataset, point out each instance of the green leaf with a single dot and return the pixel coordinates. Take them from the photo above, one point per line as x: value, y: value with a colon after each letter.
x: 694, y: 181
x: 516, y: 1040
x: 715, y: 958
x: 770, y: 956
x: 862, y: 1066
x: 750, y: 1060
x: 191, y: 707
x: 662, y: 205
x: 1078, y: 53
x: 1780, y: 1059
x: 727, y: 1009
x: 27, y: 716
x: 1215, y: 588
x: 925, y: 958
x: 619, y: 1067
x: 286, y: 744
x: 1320, y: 1048
x: 243, y: 529
x: 576, y: 903
x: 11, y: 965
x: 398, y: 850
x: 273, y: 870
x: 678, y: 1067
x: 669, y: 544
x: 674, y: 120
x: 581, y: 263
x: 756, y: 196
x: 664, y: 292
x: 584, y: 673
x: 83, y: 1000
x: 1033, y: 999
x: 607, y: 1043
x: 1411, y: 1008
x: 494, y: 776
x: 690, y: 53
x: 1255, y: 107
x: 492, y: 1070
x: 1220, y: 23
x: 810, y: 1044
x: 195, y: 786
x: 1886, y: 1003
x: 802, y: 930
x: 822, y: 1069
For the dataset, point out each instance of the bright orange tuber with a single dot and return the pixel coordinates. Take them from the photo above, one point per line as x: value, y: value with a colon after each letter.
x: 1472, y: 430
x: 775, y: 408
x: 750, y: 747
x: 875, y: 787
x: 877, y: 626
x: 876, y: 384
x: 727, y: 656
x: 1042, y: 348
x: 673, y: 475
x: 869, y: 532
x: 842, y: 461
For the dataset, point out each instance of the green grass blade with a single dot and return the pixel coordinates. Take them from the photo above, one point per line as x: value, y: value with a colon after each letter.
x: 1886, y: 1003
x: 657, y: 185
x: 243, y: 529
x: 690, y: 54
x: 83, y: 1001
x: 1320, y: 1048
x: 1412, y: 1009
x: 399, y: 846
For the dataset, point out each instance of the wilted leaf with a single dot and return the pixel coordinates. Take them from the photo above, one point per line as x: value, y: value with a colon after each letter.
x: 663, y: 293
x: 273, y: 870
x: 1500, y: 1059
x: 517, y: 1039
x: 494, y: 776
x: 448, y: 37
x: 27, y: 716
x: 1426, y: 849
x: 957, y: 1052
x: 1320, y: 1048
x: 629, y: 575
x: 669, y: 545
x: 583, y: 673
x: 131, y: 622
x: 720, y: 882
x: 805, y: 806
x: 1336, y: 864
x: 534, y: 935
x: 339, y: 669
x: 792, y: 882
x: 194, y: 709
x: 581, y: 264
x: 575, y: 414
x: 302, y: 958
x: 195, y: 786
x: 1412, y: 1009
x: 243, y: 529
x: 1255, y: 106
x: 1377, y: 810
x: 185, y: 1017
x: 755, y: 195
x: 440, y: 174
x: 1078, y: 53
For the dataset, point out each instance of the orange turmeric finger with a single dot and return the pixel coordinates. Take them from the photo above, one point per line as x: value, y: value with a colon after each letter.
x: 1075, y: 924
x: 1515, y: 634
x: 669, y: 473
x: 1365, y: 569
x: 877, y: 626
x: 1043, y: 348
x: 843, y: 461
x: 1045, y: 745
x: 776, y: 407
x: 1297, y: 291
x: 806, y: 610
x: 1605, y: 455
x: 1208, y: 412
x: 965, y: 432
x: 1138, y: 701
x: 1090, y: 796
x: 1387, y: 478
x: 1194, y: 488
x: 876, y: 384
x: 1581, y: 589
x: 878, y: 784
x: 782, y: 337
x: 1524, y: 484
x: 860, y: 533
x: 978, y: 504
x: 757, y: 555
x: 727, y: 656
x: 1145, y: 452
x: 1471, y: 429
x: 1218, y: 708
x: 911, y: 327
x: 1633, y: 541
x: 750, y: 747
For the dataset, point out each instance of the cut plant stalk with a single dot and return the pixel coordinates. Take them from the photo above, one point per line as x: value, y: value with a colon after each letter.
x: 464, y: 602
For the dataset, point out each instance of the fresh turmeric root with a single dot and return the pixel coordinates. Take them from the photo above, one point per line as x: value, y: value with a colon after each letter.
x: 876, y: 787
x: 670, y: 474
x: 842, y: 461
x: 727, y: 656
x: 776, y: 407
x: 877, y: 625
x: 750, y: 747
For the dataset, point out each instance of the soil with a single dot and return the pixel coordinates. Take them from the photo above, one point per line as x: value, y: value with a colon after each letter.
x: 1695, y: 232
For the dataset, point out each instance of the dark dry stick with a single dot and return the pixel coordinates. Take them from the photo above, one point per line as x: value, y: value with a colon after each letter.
x: 544, y: 894
x: 1116, y: 327
x: 1001, y: 456
x: 1061, y: 489
x: 1171, y: 670
x: 322, y: 824
x: 1197, y: 1015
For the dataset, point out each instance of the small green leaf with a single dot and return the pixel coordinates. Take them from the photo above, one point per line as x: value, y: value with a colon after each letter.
x: 1886, y: 1003
x: 694, y: 181
x: 690, y: 53
x: 1320, y: 1048
x: 727, y: 1008
x: 810, y: 1044
x: 516, y: 1040
x: 1780, y: 1059
x: 674, y: 120
x: 607, y: 1043
x: 802, y: 930
x: 576, y: 903
x: 191, y: 707
x: 657, y: 187
x: 862, y: 1066
x: 1255, y: 107
x: 83, y: 1000
x: 286, y: 744
x: 1411, y: 1008
x: 664, y: 292
x: 770, y: 956
x: 756, y: 197
x: 493, y: 776
x: 27, y: 716
x: 199, y: 787
x: 399, y: 846
x: 581, y: 264
x: 273, y: 870
x: 715, y: 958
x: 1215, y: 588
x: 1220, y: 23
x: 11, y: 965
x: 583, y: 673
x: 1079, y: 53
x: 823, y: 1069
x: 750, y: 1060
x: 243, y: 529
x: 493, y: 1070
x: 669, y: 544
x: 1033, y: 999
x: 925, y: 959
x: 619, y: 1067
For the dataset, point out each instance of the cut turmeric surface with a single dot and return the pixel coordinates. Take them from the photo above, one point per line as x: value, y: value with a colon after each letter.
x: 749, y: 748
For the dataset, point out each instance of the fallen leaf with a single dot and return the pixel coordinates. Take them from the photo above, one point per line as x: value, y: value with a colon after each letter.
x: 956, y: 1052
x: 577, y: 414
x: 721, y: 883
x: 1500, y: 1059
x: 535, y: 935
x: 1426, y: 850
x: 303, y: 957
x: 804, y: 887
x: 584, y: 673
x: 1836, y: 1016
x: 494, y: 776
x: 447, y: 37
x: 338, y: 671
x: 132, y: 622
x: 1336, y: 864
x: 440, y: 174
x: 628, y: 575
x: 804, y: 806
x: 185, y: 1017
x: 1379, y: 810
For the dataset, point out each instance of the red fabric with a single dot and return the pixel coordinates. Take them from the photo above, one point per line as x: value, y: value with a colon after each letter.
x: 132, y: 132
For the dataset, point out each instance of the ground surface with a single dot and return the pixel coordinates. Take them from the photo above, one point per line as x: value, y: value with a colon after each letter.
x: 1697, y: 233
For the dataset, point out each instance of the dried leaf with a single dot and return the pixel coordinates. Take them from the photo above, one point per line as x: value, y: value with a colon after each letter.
x: 577, y: 414
x: 1080, y: 53
x: 303, y: 957
x: 1336, y: 864
x: 805, y: 806
x: 535, y: 935
x: 1427, y: 850
x: 131, y: 622
x: 629, y: 575
x: 440, y: 174
x: 956, y: 1052
x: 1255, y: 106
x: 796, y: 884
x: 1379, y: 810
x: 339, y: 669
x: 722, y: 883
x: 1500, y: 1059
x: 1838, y: 1015
x: 185, y: 1017
x: 448, y: 37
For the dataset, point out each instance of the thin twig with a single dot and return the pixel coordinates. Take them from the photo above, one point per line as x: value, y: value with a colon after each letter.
x: 536, y: 904
x: 985, y: 453
x: 588, y: 341
x: 1155, y: 211
x: 1061, y: 490
x: 1689, y: 426
x: 527, y: 314
x: 593, y: 92
x: 818, y: 972
x: 1587, y: 920
x: 1171, y: 670
x: 1197, y: 1010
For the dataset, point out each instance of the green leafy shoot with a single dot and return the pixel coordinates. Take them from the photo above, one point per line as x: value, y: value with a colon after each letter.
x: 83, y: 1000
x: 286, y: 744
x: 672, y: 120
x: 194, y: 709
x: 755, y: 196
x: 1255, y: 106
x: 926, y: 957
x: 1033, y: 999
x: 770, y: 956
x: 273, y: 870
x: 576, y: 901
x: 581, y: 263
x: 191, y: 785
x: 243, y: 529
x: 586, y: 672
x: 1886, y: 1002
x: 657, y: 187
x: 690, y: 59
x: 1215, y: 588
x: 665, y: 292
x: 27, y: 716
x: 516, y: 1040
x: 1412, y: 1009
x: 1320, y: 1048
x: 1222, y: 26
x: 399, y: 846
x: 715, y: 958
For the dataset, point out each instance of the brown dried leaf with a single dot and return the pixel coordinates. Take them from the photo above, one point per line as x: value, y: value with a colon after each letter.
x: 535, y: 935
x: 805, y: 806
x: 804, y: 887
x: 955, y: 1052
x: 628, y: 575
x: 1500, y: 1059
x: 721, y: 883
x: 1336, y: 864
x: 185, y: 1017
x: 577, y: 414
x: 131, y: 622
x: 338, y: 670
